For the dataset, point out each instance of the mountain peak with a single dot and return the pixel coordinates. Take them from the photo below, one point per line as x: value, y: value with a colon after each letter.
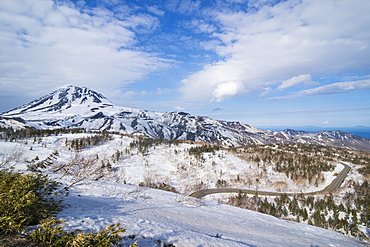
x: 65, y: 99
x: 81, y: 94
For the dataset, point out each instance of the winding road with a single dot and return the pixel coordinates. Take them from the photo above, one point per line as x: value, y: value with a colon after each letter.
x: 335, y: 184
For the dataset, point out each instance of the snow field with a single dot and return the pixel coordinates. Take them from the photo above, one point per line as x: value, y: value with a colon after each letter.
x: 154, y: 217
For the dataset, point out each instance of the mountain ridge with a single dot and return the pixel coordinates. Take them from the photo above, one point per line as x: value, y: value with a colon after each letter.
x: 79, y: 107
x: 359, y: 130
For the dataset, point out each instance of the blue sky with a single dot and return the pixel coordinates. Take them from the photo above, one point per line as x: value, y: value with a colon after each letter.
x: 264, y: 63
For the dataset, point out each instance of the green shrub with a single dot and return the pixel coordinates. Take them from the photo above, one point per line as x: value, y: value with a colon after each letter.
x: 29, y: 199
x: 51, y: 233
x: 25, y: 200
x: 197, y: 151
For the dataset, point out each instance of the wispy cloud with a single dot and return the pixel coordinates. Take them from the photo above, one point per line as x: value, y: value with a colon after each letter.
x: 179, y: 108
x: 184, y: 6
x: 294, y: 112
x: 159, y: 91
x: 334, y: 88
x: 295, y: 80
x: 142, y: 23
x: 155, y: 10
x: 279, y: 45
x: 200, y: 25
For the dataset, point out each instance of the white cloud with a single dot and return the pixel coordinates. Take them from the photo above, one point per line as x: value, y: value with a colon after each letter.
x: 184, y: 6
x: 213, y: 82
x: 325, y: 122
x: 267, y: 90
x: 162, y: 91
x: 143, y: 23
x: 179, y: 108
x: 126, y: 95
x: 226, y: 90
x: 199, y: 25
x: 80, y: 3
x: 295, y: 80
x: 45, y: 45
x: 260, y: 3
x: 285, y: 42
x: 210, y: 45
x: 159, y: 91
x: 334, y: 88
x: 155, y: 10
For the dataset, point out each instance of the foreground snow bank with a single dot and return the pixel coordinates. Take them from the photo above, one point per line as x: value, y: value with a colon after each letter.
x: 155, y: 217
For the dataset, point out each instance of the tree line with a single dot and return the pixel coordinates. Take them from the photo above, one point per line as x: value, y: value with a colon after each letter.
x: 11, y: 134
x: 298, y: 162
x: 347, y: 216
x: 80, y: 143
x: 143, y: 144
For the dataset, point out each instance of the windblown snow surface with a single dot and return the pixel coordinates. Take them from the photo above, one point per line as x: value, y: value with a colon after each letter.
x: 155, y: 218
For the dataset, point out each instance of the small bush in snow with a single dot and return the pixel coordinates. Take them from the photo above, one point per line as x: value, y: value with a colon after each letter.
x: 51, y: 233
x: 25, y: 200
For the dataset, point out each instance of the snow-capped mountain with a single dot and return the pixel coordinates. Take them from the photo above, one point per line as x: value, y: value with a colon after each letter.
x: 65, y: 103
x: 80, y: 107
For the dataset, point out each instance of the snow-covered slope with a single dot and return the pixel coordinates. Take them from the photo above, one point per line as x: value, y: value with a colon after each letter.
x: 155, y: 217
x: 80, y: 107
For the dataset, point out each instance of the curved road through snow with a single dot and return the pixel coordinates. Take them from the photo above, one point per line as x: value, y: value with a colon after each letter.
x: 335, y: 184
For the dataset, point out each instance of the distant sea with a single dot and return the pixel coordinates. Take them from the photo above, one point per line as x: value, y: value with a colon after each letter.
x: 363, y: 131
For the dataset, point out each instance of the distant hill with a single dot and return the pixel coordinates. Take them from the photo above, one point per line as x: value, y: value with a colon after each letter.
x: 359, y: 130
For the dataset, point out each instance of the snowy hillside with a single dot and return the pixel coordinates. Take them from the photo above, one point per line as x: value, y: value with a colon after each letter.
x: 100, y: 193
x: 155, y: 217
x: 132, y: 162
x: 80, y: 107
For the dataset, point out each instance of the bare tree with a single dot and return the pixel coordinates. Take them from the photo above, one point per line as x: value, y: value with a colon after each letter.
x: 9, y: 157
x: 82, y: 168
